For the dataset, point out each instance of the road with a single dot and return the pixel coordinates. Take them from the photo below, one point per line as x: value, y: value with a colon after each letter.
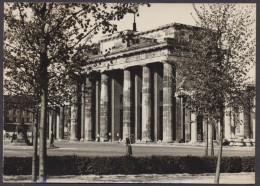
x: 225, y: 178
x: 118, y: 149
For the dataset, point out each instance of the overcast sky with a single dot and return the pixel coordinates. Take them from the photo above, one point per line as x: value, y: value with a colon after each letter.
x: 158, y: 14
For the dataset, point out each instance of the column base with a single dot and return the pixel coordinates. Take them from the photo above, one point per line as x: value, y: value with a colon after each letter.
x: 72, y: 140
x: 193, y: 142
x: 167, y: 141
x: 62, y: 140
x: 179, y: 141
x: 103, y: 140
x: 86, y: 140
x: 82, y: 140
x: 146, y: 140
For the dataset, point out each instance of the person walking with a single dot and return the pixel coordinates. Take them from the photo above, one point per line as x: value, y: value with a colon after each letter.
x: 52, y: 140
x: 13, y: 137
x: 128, y: 145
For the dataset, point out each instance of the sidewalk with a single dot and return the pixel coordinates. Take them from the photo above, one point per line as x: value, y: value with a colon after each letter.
x: 227, y: 178
x: 8, y: 145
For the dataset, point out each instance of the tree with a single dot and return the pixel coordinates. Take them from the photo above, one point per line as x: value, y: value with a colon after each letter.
x: 226, y: 54
x: 223, y: 51
x: 41, y: 42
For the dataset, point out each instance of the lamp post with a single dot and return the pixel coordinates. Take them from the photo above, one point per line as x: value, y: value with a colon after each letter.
x: 205, y: 119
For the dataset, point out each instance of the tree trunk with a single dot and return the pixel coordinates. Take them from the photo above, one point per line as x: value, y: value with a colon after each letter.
x: 216, y: 181
x: 35, y: 144
x: 43, y: 119
x: 42, y: 148
x: 206, y: 135
x: 61, y: 127
x: 211, y: 143
x: 212, y: 136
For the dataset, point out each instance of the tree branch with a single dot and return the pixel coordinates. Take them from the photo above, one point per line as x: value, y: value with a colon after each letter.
x: 25, y: 30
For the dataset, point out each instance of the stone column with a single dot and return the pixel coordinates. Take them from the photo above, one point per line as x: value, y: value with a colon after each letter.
x: 247, y: 128
x: 253, y: 125
x: 61, y: 129
x: 68, y: 118
x: 74, y: 118
x: 50, y: 122
x: 232, y: 123
x: 126, y: 103
x: 210, y: 131
x: 88, y: 119
x: 137, y: 107
x: 187, y: 125
x: 205, y: 129
x: 54, y: 123
x: 97, y: 109
x: 179, y: 127
x: 104, y: 108
x: 217, y: 127
x: 57, y: 123
x: 146, y: 105
x: 194, y: 131
x: 252, y: 119
x: 241, y: 122
x: 113, y: 110
x: 156, y: 103
x: 227, y: 123
x: 168, y: 103
x: 82, y: 119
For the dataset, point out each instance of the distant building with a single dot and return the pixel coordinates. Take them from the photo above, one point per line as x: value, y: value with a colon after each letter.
x: 14, y: 112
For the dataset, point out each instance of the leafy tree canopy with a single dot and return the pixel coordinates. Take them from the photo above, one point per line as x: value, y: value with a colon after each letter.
x: 223, y: 52
x: 53, y: 36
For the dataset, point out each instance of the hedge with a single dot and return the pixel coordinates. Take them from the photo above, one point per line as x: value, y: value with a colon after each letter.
x: 77, y: 165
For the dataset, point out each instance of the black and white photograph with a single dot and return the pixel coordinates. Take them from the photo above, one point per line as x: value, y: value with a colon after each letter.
x: 129, y: 92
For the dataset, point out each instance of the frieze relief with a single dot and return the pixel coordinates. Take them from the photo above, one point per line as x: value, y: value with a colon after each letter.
x: 129, y: 59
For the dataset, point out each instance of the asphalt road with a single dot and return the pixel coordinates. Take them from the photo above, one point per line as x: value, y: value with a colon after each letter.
x: 119, y: 149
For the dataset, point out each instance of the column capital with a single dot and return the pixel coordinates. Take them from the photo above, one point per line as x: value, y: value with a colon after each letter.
x: 126, y: 68
x: 145, y: 65
x: 103, y: 71
x: 170, y: 62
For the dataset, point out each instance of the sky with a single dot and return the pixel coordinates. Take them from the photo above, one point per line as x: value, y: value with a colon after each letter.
x: 158, y: 14
x: 164, y: 13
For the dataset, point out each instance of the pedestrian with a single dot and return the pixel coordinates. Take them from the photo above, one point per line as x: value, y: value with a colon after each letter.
x: 13, y: 137
x: 52, y: 140
x: 128, y: 145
